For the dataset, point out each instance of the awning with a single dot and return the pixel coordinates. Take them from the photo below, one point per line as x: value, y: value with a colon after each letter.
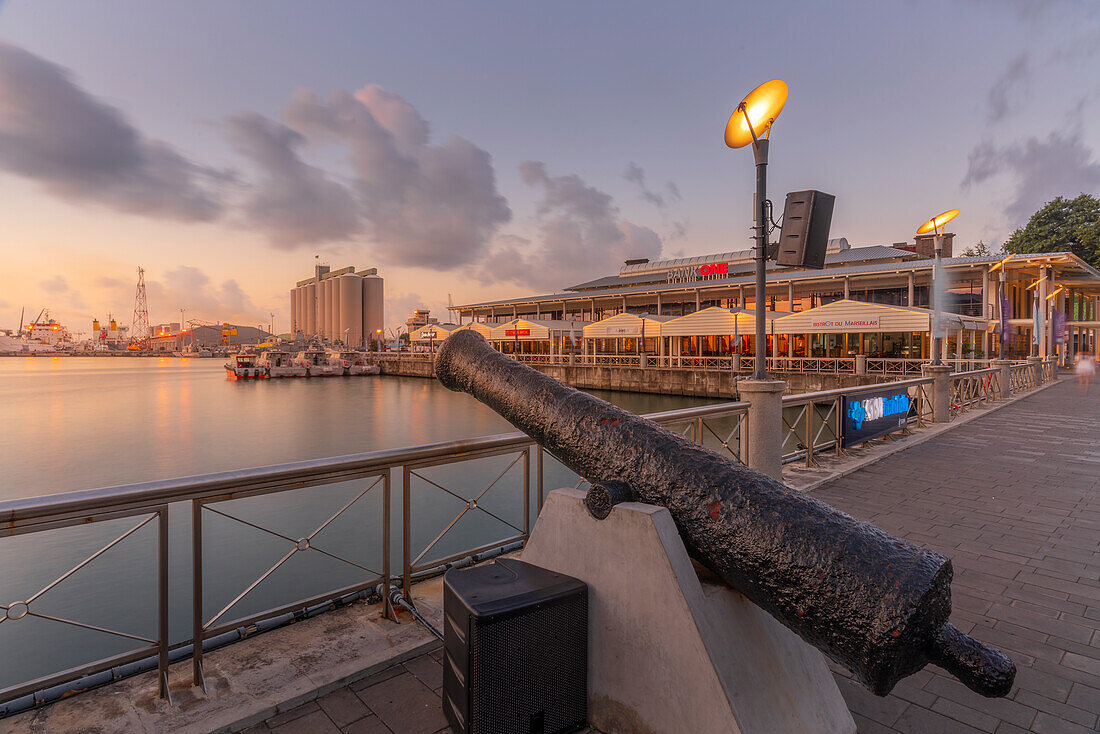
x: 852, y: 317
x: 439, y: 332
x: 534, y: 330
x: 716, y: 321
x: 626, y: 326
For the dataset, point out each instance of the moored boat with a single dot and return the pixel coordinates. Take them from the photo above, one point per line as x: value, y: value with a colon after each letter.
x: 243, y: 367
x: 350, y: 363
x: 315, y: 362
x: 278, y: 363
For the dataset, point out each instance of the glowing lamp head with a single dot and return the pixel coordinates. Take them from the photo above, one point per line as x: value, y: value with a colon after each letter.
x: 760, y: 108
x: 935, y: 224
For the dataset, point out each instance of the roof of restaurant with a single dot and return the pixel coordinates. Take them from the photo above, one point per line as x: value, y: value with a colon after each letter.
x: 780, y: 274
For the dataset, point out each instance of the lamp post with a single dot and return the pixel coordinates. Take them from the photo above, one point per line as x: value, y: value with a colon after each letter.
x: 935, y: 225
x: 430, y: 333
x: 751, y: 123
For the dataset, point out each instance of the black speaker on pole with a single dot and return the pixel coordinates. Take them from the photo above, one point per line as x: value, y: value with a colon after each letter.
x: 515, y: 650
x: 805, y: 235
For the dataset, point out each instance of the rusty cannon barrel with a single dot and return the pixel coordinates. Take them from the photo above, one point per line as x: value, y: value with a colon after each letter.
x: 874, y: 603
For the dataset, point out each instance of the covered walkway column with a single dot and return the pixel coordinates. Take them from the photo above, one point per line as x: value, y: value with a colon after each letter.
x: 909, y: 299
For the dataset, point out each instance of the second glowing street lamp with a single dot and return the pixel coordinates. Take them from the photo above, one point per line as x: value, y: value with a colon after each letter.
x: 751, y: 123
x: 939, y: 287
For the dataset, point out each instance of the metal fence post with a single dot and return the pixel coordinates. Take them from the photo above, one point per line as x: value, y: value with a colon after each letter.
x: 162, y: 602
x: 196, y: 594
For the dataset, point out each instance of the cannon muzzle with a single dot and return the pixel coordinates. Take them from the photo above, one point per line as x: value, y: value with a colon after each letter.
x: 876, y: 604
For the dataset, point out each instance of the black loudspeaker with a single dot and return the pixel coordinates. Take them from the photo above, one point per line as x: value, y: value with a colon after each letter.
x: 805, y: 235
x: 515, y: 650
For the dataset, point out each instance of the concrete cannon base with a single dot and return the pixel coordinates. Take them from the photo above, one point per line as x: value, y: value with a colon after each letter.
x: 669, y: 651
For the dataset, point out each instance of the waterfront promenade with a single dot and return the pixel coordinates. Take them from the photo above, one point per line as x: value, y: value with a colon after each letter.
x: 1012, y: 497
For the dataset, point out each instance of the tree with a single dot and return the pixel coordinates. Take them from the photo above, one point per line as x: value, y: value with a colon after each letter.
x: 975, y: 250
x: 1062, y: 225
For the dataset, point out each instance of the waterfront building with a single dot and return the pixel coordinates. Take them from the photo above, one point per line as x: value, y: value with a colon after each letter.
x: 1056, y: 286
x: 339, y: 306
x: 209, y: 336
x: 429, y: 333
x: 421, y: 317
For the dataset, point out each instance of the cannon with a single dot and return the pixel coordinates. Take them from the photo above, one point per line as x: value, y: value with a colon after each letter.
x: 874, y: 603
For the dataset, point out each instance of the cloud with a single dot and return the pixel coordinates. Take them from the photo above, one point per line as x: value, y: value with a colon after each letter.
x: 190, y: 288
x: 399, y: 308
x: 83, y: 150
x: 295, y: 204
x: 62, y: 293
x: 422, y: 203
x: 56, y: 284
x: 580, y: 233
x: 1002, y: 94
x: 1041, y: 169
x: 635, y: 174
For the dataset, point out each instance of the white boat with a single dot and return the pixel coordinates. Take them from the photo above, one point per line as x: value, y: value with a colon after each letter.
x: 278, y: 363
x: 350, y: 363
x: 315, y: 361
x: 192, y: 351
x: 243, y: 367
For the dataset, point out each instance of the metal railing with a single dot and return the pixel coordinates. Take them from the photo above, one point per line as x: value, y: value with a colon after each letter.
x: 973, y: 389
x: 721, y: 427
x: 1023, y: 376
x: 886, y: 366
x: 24, y: 517
x: 813, y: 422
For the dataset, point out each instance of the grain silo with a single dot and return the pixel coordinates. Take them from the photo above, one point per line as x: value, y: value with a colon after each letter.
x: 337, y: 301
x: 350, y: 287
x: 310, y: 308
x: 325, y: 330
x: 374, y: 307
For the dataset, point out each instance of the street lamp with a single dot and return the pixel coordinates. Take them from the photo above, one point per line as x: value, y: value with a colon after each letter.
x: 430, y: 333
x: 939, y: 288
x: 751, y: 123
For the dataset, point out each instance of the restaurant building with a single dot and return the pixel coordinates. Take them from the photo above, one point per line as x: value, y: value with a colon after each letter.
x: 1057, y: 292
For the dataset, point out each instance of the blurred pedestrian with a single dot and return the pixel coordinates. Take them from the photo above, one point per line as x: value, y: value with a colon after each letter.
x: 1085, y: 368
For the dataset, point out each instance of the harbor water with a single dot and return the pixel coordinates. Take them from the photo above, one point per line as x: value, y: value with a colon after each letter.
x: 78, y: 423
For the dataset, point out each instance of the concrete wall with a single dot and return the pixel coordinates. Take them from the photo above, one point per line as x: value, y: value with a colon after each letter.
x: 659, y: 381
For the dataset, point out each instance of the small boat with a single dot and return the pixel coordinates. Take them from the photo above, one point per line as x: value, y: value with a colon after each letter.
x: 278, y: 363
x: 350, y: 363
x: 244, y: 367
x: 191, y: 351
x: 315, y: 361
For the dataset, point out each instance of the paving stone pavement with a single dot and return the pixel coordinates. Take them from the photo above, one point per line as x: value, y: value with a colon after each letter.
x: 1013, y: 498
x: 402, y: 699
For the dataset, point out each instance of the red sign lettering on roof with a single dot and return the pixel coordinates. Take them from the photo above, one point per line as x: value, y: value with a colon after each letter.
x: 517, y: 332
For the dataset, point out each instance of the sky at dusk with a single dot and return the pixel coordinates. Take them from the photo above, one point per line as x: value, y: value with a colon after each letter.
x: 490, y: 150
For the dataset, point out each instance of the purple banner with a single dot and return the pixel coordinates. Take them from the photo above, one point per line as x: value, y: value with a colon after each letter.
x: 1006, y: 314
x: 1058, y: 326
